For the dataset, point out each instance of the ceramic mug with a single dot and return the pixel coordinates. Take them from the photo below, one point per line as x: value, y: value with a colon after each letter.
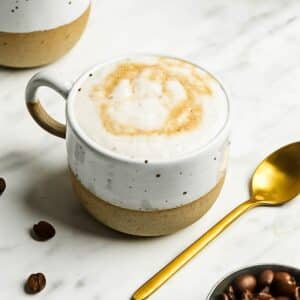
x: 35, y: 32
x: 129, y: 195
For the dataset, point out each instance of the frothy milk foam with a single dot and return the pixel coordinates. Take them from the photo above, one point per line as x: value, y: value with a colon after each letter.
x: 151, y: 108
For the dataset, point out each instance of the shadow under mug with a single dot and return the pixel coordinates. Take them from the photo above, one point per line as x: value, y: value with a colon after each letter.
x: 137, y: 197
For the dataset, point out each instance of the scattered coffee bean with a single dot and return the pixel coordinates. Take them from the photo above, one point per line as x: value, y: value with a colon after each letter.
x: 244, y: 283
x: 35, y: 283
x: 43, y: 231
x: 2, y: 185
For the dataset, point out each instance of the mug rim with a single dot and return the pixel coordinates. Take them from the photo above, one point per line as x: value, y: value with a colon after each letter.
x: 95, y: 147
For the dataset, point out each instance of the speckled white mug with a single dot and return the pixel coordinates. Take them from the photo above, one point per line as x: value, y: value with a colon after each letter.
x: 35, y: 32
x: 134, y: 196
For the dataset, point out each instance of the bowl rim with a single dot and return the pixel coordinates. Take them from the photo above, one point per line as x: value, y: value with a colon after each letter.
x: 266, y: 265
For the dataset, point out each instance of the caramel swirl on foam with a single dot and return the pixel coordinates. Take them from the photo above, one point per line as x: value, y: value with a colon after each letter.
x: 184, y: 115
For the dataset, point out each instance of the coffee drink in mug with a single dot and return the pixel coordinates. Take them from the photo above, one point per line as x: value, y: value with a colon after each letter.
x: 147, y: 141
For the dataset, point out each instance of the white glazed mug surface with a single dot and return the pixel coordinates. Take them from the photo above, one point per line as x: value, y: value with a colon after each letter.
x: 22, y: 16
x: 132, y: 184
x: 35, y: 32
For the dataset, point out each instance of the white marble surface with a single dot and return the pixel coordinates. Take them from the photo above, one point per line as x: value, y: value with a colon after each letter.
x: 254, y: 47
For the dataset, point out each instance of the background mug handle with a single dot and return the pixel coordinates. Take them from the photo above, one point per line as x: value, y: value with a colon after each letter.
x: 36, y: 109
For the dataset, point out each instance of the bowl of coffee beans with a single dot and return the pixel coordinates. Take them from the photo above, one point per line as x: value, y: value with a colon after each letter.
x: 260, y: 282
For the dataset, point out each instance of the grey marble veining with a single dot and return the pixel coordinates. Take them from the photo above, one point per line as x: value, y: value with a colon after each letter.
x: 254, y: 48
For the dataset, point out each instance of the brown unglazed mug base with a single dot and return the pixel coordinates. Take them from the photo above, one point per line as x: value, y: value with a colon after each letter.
x: 145, y: 223
x: 32, y: 49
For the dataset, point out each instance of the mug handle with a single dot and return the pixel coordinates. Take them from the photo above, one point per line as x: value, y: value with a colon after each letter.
x: 36, y: 109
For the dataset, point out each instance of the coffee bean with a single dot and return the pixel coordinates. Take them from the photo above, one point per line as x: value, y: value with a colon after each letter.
x: 244, y: 283
x: 265, y: 278
x: 230, y: 293
x: 283, y: 284
x: 297, y: 293
x: 247, y: 296
x: 266, y: 289
x: 35, y: 283
x: 43, y: 231
x: 283, y: 276
x: 2, y: 185
x: 223, y: 297
x: 263, y: 296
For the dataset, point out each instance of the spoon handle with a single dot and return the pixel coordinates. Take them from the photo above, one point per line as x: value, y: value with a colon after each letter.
x: 186, y: 255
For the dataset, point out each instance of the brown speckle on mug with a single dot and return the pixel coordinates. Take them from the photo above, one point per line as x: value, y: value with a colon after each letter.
x: 157, y: 175
x: 109, y: 183
x: 184, y: 193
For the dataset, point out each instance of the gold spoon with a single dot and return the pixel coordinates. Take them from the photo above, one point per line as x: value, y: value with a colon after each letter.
x: 275, y: 182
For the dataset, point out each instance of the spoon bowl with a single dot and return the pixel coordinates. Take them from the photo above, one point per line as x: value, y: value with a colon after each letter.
x: 277, y: 179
